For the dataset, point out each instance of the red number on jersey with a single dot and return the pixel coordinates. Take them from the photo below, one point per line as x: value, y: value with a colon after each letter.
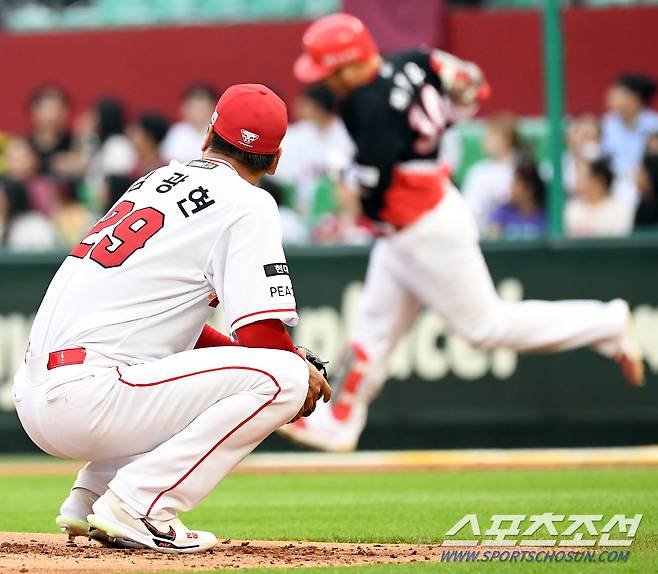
x: 117, y: 213
x: 134, y: 229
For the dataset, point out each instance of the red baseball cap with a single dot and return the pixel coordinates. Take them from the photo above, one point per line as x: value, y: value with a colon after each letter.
x: 330, y: 43
x: 251, y: 117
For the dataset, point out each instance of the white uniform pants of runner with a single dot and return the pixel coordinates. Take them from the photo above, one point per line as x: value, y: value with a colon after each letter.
x: 161, y: 434
x: 437, y: 262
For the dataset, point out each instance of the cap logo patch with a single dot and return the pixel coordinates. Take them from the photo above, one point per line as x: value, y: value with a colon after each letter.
x: 248, y: 137
x: 343, y: 57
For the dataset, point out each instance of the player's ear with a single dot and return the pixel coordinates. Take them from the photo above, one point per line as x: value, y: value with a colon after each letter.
x: 206, y: 142
x: 275, y: 163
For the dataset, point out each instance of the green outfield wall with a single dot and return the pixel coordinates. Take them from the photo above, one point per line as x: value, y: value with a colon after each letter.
x: 441, y: 392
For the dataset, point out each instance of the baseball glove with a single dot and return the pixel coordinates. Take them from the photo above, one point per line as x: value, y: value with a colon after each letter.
x: 316, y: 361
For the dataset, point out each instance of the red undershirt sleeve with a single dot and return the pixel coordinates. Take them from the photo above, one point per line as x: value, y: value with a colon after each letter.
x: 266, y: 334
x: 212, y: 338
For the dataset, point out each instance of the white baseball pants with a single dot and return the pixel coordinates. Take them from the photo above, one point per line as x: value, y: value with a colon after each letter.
x: 437, y: 262
x: 161, y: 434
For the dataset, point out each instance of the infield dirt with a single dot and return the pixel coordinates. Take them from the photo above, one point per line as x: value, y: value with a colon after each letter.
x: 40, y: 553
x: 23, y: 553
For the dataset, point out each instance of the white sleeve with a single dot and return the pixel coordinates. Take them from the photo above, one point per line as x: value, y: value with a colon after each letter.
x: 250, y: 272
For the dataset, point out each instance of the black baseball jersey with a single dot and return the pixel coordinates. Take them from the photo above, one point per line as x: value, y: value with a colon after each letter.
x: 396, y: 122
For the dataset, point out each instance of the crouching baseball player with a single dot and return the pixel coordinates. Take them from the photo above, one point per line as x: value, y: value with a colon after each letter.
x: 121, y: 369
x: 396, y: 110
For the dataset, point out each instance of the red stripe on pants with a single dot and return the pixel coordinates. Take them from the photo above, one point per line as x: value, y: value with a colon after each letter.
x: 226, y: 436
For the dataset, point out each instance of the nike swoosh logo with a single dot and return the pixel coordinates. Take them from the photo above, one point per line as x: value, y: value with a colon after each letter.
x: 170, y: 535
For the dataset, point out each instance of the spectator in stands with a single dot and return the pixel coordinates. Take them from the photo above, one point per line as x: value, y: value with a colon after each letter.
x: 50, y: 135
x: 106, y: 150
x: 583, y: 146
x: 348, y: 225
x: 292, y: 227
x: 316, y: 148
x: 652, y: 144
x: 488, y: 182
x: 629, y: 122
x: 647, y: 182
x: 22, y: 169
x: 146, y: 136
x: 101, y: 150
x: 101, y: 147
x: 594, y: 212
x: 183, y: 142
x: 524, y: 215
x: 45, y: 195
x: 340, y: 229
x: 20, y: 227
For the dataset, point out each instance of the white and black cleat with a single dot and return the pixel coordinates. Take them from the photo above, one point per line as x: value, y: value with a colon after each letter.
x: 171, y: 536
x: 72, y: 519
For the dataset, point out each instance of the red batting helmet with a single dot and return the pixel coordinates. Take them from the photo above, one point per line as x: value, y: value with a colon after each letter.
x: 330, y: 43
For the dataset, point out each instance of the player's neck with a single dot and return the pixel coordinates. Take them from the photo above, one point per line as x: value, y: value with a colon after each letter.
x: 371, y: 70
x: 243, y: 172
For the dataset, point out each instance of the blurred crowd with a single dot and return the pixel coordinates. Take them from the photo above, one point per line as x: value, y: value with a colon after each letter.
x: 56, y: 180
x: 609, y: 171
x: 59, y: 178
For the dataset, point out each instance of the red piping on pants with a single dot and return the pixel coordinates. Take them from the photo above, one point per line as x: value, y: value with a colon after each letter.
x: 226, y: 436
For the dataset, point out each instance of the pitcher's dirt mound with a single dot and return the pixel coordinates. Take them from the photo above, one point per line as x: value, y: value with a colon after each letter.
x: 40, y: 553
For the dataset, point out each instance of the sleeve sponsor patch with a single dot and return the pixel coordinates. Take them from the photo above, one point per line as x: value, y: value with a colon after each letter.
x: 202, y: 163
x: 274, y: 269
x: 281, y: 291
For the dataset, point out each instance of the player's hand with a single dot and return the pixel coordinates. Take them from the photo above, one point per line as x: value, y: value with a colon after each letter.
x: 318, y: 387
x: 463, y: 81
x: 469, y: 86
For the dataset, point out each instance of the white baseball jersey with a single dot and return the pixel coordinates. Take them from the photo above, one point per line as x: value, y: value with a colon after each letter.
x: 182, y: 239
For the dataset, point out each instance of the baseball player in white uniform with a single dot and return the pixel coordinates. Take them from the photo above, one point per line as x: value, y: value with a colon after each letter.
x: 123, y: 371
x: 396, y: 109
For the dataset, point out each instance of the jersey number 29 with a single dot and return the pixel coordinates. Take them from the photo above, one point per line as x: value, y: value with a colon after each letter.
x: 132, y: 230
